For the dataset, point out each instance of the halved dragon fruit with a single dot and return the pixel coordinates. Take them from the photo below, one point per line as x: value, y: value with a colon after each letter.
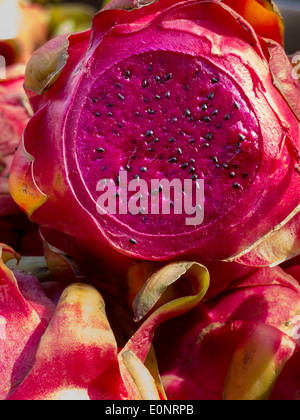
x: 174, y: 90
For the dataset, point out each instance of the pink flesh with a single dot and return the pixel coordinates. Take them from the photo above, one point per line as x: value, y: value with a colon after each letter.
x: 167, y: 94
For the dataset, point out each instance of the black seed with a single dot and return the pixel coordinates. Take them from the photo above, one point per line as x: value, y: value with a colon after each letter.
x: 238, y: 151
x: 241, y: 137
x: 145, y: 218
x: 194, y: 177
x: 237, y: 105
x: 172, y: 160
x: 151, y: 111
x: 232, y: 174
x: 16, y: 148
x: 160, y: 188
x: 184, y: 166
x: 192, y: 170
x: 206, y: 144
x: 211, y: 96
x: 217, y: 166
x: 215, y: 80
x: 109, y: 114
x: 146, y: 100
x: 149, y: 133
x: 151, y: 149
x: 137, y: 177
x: 150, y: 67
x: 187, y: 113
x: 157, y: 97
x: 169, y: 76
x: 168, y: 94
x: 100, y: 150
x: 132, y: 241
x: 192, y: 161
x: 172, y: 140
x: 144, y: 169
x: 225, y: 165
x: 121, y: 97
x: 110, y: 105
x: 127, y: 74
x: 118, y: 85
x: 227, y: 117
x: 238, y: 145
x: 95, y: 100
x: 103, y: 168
x: 245, y: 174
x: 191, y: 141
x: 145, y: 84
x: 215, y: 159
x: 97, y: 114
x: 157, y: 78
x: 209, y: 136
x: 175, y: 119
x: 216, y: 111
x: 179, y: 151
x: 118, y: 180
x: 128, y: 168
x: 236, y: 185
x: 156, y: 140
x: 138, y: 114
x: 206, y: 119
x: 204, y: 107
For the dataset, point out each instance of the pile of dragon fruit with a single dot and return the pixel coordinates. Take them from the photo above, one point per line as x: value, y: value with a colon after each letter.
x: 139, y: 305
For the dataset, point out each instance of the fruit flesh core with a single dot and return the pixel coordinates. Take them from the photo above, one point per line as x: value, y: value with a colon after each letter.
x: 167, y: 115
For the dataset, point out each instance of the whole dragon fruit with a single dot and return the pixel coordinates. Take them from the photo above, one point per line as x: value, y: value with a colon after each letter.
x: 186, y: 90
x: 15, y: 228
x: 62, y: 352
x: 242, y: 345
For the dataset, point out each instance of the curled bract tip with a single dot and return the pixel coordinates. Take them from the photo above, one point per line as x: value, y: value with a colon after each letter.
x: 46, y: 64
x: 194, y: 277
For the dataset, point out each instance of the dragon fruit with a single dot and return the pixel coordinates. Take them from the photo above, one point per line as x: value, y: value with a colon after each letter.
x: 186, y: 90
x: 15, y: 228
x: 253, y: 335
x: 15, y: 112
x: 62, y: 352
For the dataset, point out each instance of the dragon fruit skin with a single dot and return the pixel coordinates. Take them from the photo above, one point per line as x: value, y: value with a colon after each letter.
x: 22, y: 303
x: 246, y: 322
x: 62, y: 351
x: 15, y: 228
x: 15, y: 112
x: 76, y: 93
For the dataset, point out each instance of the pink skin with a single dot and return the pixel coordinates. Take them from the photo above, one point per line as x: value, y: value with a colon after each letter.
x: 15, y: 111
x: 249, y: 304
x: 23, y: 304
x: 222, y: 46
x: 14, y: 116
